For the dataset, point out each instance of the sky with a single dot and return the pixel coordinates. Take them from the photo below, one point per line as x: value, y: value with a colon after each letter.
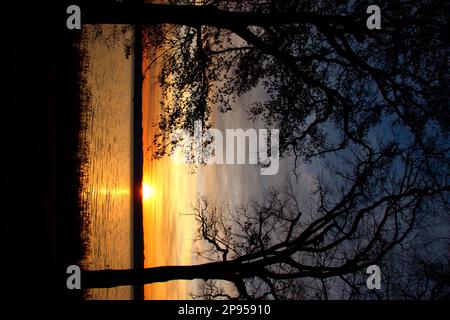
x: 168, y: 231
x: 170, y: 188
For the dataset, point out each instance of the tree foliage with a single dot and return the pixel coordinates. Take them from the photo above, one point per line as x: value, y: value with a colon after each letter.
x: 329, y: 80
x: 371, y: 106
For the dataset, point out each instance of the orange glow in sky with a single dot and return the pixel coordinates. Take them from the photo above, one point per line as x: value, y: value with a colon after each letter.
x: 148, y: 191
x: 168, y: 190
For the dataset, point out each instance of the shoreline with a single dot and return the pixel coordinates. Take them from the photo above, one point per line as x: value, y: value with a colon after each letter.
x: 43, y: 225
x: 138, y: 163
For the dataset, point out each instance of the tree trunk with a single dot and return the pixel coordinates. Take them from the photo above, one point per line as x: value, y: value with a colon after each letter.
x: 113, y: 278
x: 137, y: 12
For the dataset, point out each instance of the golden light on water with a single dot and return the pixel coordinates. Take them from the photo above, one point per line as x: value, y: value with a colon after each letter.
x: 114, y: 191
x: 148, y: 191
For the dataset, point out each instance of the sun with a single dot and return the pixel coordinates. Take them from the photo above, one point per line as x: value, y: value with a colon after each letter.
x: 147, y: 191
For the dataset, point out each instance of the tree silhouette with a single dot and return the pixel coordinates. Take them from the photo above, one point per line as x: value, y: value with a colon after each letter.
x: 268, y: 248
x: 370, y: 105
x: 319, y: 65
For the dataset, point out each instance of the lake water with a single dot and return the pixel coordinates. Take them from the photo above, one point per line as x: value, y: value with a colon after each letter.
x: 107, y: 173
x: 107, y: 139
